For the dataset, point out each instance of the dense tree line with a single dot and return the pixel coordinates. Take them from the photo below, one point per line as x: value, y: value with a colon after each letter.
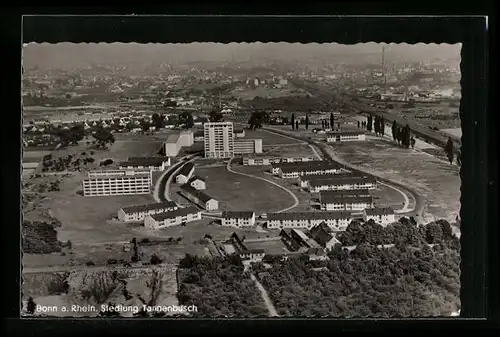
x: 218, y: 287
x: 257, y: 119
x: 401, y: 281
x: 40, y: 237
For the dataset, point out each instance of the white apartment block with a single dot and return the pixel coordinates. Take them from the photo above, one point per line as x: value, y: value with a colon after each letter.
x: 172, y: 218
x: 291, y: 172
x: 345, y: 136
x: 341, y: 183
x: 336, y: 220
x: 348, y: 203
x: 197, y: 183
x: 238, y: 219
x: 139, y: 212
x: 219, y: 139
x: 254, y: 161
x: 247, y: 146
x: 383, y: 216
x: 156, y: 164
x: 122, y: 183
x: 175, y: 142
x: 276, y: 168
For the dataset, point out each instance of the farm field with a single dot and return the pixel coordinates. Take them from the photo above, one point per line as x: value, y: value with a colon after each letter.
x: 272, y: 246
x: 435, y: 179
x: 236, y: 192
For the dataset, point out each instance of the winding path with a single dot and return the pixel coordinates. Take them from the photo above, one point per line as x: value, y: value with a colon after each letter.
x: 265, y: 296
x: 406, y: 206
x: 296, y: 201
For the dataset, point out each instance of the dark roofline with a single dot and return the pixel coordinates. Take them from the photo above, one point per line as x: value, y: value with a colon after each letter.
x: 346, y: 199
x: 198, y: 194
x: 253, y: 251
x: 176, y: 213
x: 238, y: 214
x: 379, y: 211
x: 148, y: 207
x: 310, y: 215
x: 186, y: 169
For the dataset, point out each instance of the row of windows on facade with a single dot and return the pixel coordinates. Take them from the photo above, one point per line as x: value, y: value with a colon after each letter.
x: 117, y: 181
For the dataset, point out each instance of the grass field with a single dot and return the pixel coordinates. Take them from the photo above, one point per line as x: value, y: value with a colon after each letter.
x: 269, y: 138
x: 436, y: 180
x: 236, y: 192
x: 385, y: 196
x: 300, y: 150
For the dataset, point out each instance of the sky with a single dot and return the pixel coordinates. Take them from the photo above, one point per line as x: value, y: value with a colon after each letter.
x: 68, y: 55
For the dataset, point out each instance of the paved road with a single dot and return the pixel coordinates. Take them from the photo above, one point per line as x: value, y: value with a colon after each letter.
x: 296, y: 201
x: 330, y: 155
x: 265, y: 296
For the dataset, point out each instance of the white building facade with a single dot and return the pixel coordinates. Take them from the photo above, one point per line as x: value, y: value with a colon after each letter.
x: 172, y: 218
x: 238, y: 219
x: 341, y: 183
x: 218, y: 139
x: 346, y: 203
x: 337, y: 221
x: 383, y: 216
x: 346, y: 136
x: 123, y: 183
x: 248, y: 146
x: 138, y: 213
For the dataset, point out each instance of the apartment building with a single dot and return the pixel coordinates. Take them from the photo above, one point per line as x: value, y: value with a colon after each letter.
x: 119, y: 183
x: 172, y: 218
x: 247, y: 146
x: 305, y: 178
x: 175, y: 142
x: 239, y: 133
x: 238, y: 219
x: 199, y: 198
x: 185, y: 173
x: 254, y: 161
x: 346, y: 203
x: 383, y: 216
x: 324, y: 236
x: 345, y: 136
x: 219, y: 139
x: 325, y: 195
x: 157, y: 164
x: 295, y: 172
x: 341, y: 183
x: 139, y: 212
x: 337, y: 220
x: 276, y: 167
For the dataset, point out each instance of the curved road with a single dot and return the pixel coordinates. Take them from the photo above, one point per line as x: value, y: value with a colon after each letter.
x: 296, y: 201
x: 328, y: 155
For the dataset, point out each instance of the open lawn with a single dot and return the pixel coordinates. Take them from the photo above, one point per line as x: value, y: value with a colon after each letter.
x: 291, y: 184
x: 236, y: 192
x: 436, y: 180
x: 385, y: 196
x: 269, y: 138
x: 300, y: 150
x: 84, y: 219
x: 262, y: 92
x: 301, y: 132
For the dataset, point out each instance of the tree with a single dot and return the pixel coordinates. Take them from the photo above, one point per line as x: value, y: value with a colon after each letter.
x: 459, y: 158
x: 332, y: 120
x: 307, y: 122
x: 449, y: 149
x: 394, y: 130
x: 186, y: 118
x: 215, y: 116
x: 103, y: 137
x: 155, y: 260
x: 358, y: 124
x: 158, y: 121
x: 292, y: 121
x: 296, y: 125
x: 31, y: 306
x: 145, y: 126
x: 256, y: 119
x: 369, y: 125
x: 382, y: 126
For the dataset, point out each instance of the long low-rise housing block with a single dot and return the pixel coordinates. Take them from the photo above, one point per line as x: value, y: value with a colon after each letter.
x: 172, y: 218
x: 153, y: 163
x: 346, y: 203
x: 337, y: 220
x: 120, y: 183
x: 276, y: 167
x: 238, y: 219
x: 325, y: 195
x: 139, y: 212
x: 345, y: 136
x: 305, y: 178
x: 341, y: 183
x: 295, y: 172
x: 383, y: 216
x: 247, y: 146
x: 197, y: 182
x: 255, y: 161
x: 199, y: 198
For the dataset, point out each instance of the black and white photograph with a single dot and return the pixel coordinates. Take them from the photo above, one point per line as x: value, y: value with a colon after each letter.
x: 241, y: 180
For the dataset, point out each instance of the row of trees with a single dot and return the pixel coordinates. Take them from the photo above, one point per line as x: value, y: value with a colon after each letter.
x: 324, y: 124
